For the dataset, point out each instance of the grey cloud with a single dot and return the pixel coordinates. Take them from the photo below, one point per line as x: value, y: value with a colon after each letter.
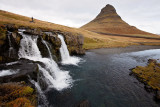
x: 140, y: 13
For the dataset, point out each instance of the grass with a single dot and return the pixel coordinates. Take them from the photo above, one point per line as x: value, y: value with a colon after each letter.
x: 92, y: 40
x: 149, y: 74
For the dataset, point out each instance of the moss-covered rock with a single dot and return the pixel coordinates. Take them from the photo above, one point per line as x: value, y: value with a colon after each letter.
x: 9, y: 43
x: 150, y: 75
x: 17, y: 95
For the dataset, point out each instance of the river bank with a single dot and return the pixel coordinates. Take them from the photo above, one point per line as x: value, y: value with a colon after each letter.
x: 123, y: 49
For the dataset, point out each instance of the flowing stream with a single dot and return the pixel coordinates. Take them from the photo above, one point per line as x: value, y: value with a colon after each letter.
x: 103, y: 80
x: 66, y: 58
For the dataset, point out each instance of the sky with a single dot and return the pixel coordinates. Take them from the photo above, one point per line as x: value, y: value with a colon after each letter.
x: 144, y: 14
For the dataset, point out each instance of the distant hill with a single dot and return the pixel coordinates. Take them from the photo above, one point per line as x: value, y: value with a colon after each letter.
x: 109, y: 22
x: 92, y: 40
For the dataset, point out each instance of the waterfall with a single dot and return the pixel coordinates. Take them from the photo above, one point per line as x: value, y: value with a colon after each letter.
x: 41, y: 98
x: 54, y: 77
x: 45, y: 43
x: 10, y: 44
x: 66, y: 58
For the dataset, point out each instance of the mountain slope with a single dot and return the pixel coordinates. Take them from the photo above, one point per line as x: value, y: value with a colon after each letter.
x: 109, y: 22
x: 91, y: 40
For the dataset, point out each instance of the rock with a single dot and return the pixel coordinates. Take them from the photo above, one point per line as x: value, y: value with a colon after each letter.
x: 11, y: 27
x: 23, y: 69
x: 157, y: 96
x: 42, y: 48
x: 33, y: 32
x: 152, y: 61
x: 84, y: 103
x: 148, y: 88
x: 9, y: 44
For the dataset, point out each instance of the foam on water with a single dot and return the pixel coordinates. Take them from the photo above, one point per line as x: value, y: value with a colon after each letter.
x: 7, y: 72
x: 66, y: 58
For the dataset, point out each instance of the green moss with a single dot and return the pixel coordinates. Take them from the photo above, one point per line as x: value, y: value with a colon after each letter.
x: 27, y: 91
x: 149, y: 74
x: 17, y: 95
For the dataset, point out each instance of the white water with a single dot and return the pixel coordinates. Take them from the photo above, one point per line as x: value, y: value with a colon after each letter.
x: 12, y: 63
x: 66, y: 58
x: 10, y: 45
x: 45, y: 43
x: 41, y: 94
x: 7, y: 72
x: 55, y: 77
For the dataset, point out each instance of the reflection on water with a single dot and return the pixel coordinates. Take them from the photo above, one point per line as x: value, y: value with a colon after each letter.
x: 103, y: 80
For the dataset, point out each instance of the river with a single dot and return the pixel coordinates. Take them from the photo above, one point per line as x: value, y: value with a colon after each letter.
x: 102, y: 79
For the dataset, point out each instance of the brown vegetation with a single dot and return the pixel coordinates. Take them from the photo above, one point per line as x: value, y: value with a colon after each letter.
x: 17, y: 95
x: 92, y: 40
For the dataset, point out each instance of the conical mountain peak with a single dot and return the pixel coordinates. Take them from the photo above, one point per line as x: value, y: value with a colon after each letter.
x: 108, y: 9
x: 108, y: 21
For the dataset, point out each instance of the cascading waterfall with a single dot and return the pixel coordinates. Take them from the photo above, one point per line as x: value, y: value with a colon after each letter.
x: 42, y: 98
x: 54, y: 77
x: 45, y: 43
x: 66, y: 58
x: 10, y: 45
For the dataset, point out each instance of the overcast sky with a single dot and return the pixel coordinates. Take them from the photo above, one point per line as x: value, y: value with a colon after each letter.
x: 144, y: 14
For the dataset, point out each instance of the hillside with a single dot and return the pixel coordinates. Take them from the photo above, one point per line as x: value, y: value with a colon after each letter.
x: 109, y: 22
x: 91, y: 40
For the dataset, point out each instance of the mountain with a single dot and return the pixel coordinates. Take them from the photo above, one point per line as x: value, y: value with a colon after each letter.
x: 108, y: 21
x: 92, y: 40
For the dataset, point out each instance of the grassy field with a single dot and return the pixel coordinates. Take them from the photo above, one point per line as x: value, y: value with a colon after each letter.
x: 91, y: 40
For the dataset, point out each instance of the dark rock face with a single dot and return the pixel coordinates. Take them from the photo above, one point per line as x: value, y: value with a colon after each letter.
x: 23, y: 68
x: 157, y: 96
x: 10, y: 43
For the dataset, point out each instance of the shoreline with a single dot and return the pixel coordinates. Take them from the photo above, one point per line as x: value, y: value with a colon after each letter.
x: 119, y: 50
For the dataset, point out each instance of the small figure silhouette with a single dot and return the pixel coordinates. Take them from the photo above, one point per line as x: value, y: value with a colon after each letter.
x: 32, y: 20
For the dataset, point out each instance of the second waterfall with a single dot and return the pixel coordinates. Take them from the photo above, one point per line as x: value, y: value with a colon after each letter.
x: 66, y: 58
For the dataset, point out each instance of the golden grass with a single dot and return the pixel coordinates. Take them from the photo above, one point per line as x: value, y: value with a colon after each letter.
x: 92, y: 40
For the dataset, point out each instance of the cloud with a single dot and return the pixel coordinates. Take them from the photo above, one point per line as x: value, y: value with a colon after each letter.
x: 76, y: 13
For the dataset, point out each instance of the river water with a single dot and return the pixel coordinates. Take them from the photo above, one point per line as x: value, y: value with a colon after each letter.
x: 103, y: 79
